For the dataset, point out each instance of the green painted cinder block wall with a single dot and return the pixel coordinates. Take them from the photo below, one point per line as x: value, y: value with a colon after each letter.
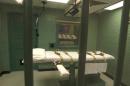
x: 47, y: 28
x: 4, y: 52
x: 108, y: 39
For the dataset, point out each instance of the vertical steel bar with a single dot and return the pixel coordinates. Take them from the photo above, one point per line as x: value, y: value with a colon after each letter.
x: 122, y: 42
x: 72, y: 75
x: 28, y: 68
x: 83, y: 42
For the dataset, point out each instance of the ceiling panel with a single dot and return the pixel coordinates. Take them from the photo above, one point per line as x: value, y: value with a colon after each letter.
x: 63, y: 6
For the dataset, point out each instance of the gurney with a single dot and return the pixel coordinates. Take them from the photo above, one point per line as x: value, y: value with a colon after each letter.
x: 96, y: 62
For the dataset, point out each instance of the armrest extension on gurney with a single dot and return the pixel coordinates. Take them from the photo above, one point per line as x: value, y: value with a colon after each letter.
x: 109, y: 80
x: 63, y: 71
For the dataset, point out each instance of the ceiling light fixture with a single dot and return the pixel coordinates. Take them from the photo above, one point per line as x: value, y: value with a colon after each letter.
x: 115, y: 6
x: 59, y: 1
x: 19, y: 1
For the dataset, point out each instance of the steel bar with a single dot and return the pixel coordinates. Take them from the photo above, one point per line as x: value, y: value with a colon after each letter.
x: 83, y: 42
x: 122, y: 42
x: 72, y: 75
x: 28, y: 62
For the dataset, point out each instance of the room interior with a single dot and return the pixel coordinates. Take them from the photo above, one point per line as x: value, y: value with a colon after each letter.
x: 103, y: 35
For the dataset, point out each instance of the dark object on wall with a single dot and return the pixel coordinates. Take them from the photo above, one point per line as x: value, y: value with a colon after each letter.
x: 52, y: 45
x: 37, y: 33
x: 44, y: 2
x: 21, y: 62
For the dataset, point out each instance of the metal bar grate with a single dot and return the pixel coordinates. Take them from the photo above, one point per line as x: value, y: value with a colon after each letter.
x: 28, y: 63
x: 122, y: 42
x: 83, y: 42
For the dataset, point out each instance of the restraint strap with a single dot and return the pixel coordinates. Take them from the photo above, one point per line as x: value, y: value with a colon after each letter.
x: 61, y: 58
x: 91, y: 55
x: 72, y: 61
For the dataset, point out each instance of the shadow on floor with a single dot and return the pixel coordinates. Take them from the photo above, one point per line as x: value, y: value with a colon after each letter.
x: 91, y: 80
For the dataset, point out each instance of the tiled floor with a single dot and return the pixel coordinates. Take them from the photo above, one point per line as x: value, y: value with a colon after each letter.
x: 47, y: 78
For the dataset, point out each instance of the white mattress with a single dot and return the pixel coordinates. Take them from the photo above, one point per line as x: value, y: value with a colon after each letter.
x: 42, y: 56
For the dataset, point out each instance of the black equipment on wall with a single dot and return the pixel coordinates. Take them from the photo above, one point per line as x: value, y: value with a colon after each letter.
x: 44, y: 2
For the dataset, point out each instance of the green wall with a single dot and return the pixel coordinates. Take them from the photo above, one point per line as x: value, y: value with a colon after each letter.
x: 4, y: 53
x: 108, y: 38
x: 16, y: 39
x: 4, y: 40
x: 9, y: 60
x: 47, y: 28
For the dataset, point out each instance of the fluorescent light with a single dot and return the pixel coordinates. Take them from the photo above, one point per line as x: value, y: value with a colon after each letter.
x: 115, y: 6
x: 59, y: 1
x: 19, y: 1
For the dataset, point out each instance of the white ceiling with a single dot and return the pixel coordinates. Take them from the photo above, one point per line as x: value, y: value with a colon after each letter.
x: 100, y: 7
x: 38, y: 3
x: 63, y: 6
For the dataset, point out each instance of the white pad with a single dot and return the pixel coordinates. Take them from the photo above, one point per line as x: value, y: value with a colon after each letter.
x: 94, y: 68
x: 63, y: 72
x: 42, y: 56
x: 38, y: 54
x: 108, y: 81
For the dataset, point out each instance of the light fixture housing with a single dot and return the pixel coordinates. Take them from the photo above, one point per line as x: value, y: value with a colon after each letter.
x: 115, y: 6
x: 59, y: 1
x: 19, y: 1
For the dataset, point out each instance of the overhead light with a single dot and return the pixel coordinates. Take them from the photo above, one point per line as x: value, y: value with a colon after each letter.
x: 19, y: 1
x: 59, y: 1
x: 72, y: 11
x: 115, y: 6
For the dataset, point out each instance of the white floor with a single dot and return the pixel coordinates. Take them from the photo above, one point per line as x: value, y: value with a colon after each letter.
x: 48, y: 78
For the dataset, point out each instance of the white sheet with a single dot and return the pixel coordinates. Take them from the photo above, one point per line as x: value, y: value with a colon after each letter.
x: 41, y: 56
x: 38, y: 54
